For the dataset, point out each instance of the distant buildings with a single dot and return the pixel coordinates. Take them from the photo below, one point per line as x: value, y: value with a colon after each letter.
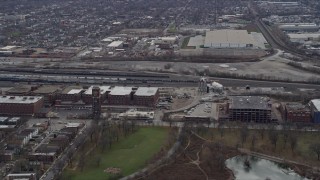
x: 21, y: 176
x: 299, y: 27
x: 249, y: 109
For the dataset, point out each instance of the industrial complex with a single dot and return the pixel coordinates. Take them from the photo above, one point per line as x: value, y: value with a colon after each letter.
x: 183, y: 89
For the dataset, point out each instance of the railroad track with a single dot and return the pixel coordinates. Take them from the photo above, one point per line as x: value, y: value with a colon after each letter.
x: 275, y: 43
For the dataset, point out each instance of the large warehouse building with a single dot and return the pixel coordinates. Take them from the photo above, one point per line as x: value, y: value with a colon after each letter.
x: 20, y: 105
x: 229, y: 38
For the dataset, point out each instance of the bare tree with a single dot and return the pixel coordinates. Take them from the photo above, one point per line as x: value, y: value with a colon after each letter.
x: 253, y: 141
x: 59, y: 165
x: 221, y: 129
x: 69, y: 156
x: 98, y: 161
x: 262, y: 131
x: 220, y: 161
x: 82, y: 161
x: 293, y: 139
x: 315, y: 147
x: 104, y: 141
x: 273, y: 137
x: 244, y: 132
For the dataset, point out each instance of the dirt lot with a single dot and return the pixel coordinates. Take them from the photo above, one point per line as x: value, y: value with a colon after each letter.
x: 198, y: 159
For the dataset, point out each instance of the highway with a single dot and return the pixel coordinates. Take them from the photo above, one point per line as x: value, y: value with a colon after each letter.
x: 273, y: 40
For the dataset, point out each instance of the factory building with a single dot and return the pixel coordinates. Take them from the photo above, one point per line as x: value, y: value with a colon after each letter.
x: 71, y: 94
x: 315, y: 110
x: 20, y: 105
x: 295, y: 113
x: 146, y: 96
x: 302, y: 38
x: 50, y: 93
x: 299, y: 27
x: 121, y: 96
x: 228, y: 38
x: 249, y: 109
x: 21, y: 90
x: 87, y: 95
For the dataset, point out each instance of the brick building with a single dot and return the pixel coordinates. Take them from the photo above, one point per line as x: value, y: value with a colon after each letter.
x: 20, y: 105
x: 146, y: 96
x: 50, y: 93
x: 121, y: 96
x: 296, y: 113
x: 87, y: 95
x: 249, y: 109
x: 22, y: 90
x: 71, y: 94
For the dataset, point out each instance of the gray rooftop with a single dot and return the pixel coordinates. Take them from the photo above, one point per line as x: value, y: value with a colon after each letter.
x: 19, y: 99
x: 227, y: 36
x: 146, y: 91
x: 249, y: 102
x: 120, y: 91
x: 296, y: 106
x: 46, y: 89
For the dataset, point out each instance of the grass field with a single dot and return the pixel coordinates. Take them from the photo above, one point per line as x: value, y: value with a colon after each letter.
x: 301, y: 153
x: 129, y: 154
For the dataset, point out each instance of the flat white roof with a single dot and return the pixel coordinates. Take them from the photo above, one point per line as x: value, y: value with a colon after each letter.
x: 74, y: 91
x: 168, y: 38
x: 316, y: 103
x: 228, y: 36
x: 107, y: 40
x: 115, y: 44
x: 8, y: 48
x: 20, y: 99
x: 22, y: 174
x: 146, y: 91
x: 304, y: 36
x: 103, y: 89
x: 120, y: 91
